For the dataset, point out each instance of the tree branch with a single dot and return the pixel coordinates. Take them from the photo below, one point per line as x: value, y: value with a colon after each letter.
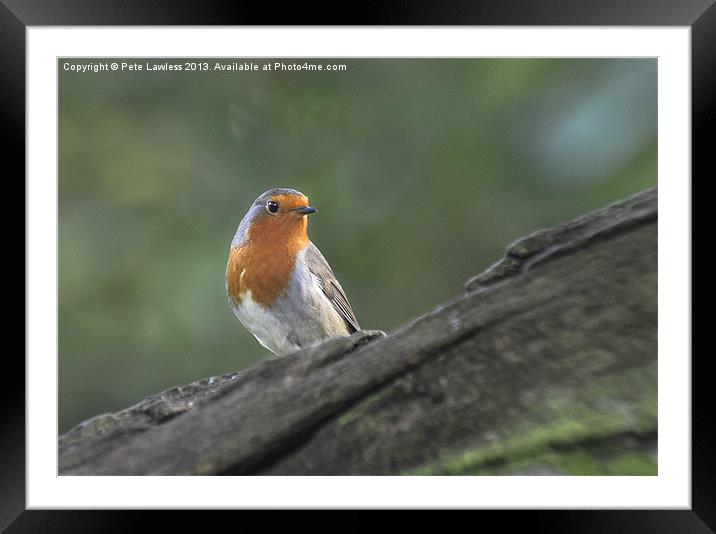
x: 547, y: 365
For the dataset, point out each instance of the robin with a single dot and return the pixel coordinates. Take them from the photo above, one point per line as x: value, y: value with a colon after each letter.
x: 278, y: 283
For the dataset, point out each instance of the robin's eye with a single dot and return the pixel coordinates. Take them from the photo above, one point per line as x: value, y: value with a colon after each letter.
x: 272, y: 206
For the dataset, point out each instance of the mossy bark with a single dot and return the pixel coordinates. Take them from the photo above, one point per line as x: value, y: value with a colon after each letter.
x: 547, y: 365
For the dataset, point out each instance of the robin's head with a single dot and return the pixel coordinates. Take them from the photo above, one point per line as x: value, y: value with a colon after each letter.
x: 276, y: 214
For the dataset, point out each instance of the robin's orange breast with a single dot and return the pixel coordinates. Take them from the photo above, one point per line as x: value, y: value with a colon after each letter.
x: 264, y: 264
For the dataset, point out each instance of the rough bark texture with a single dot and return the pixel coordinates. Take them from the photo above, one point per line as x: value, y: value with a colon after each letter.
x: 547, y: 365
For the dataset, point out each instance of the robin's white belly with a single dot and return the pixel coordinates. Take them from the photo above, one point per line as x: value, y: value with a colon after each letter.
x: 272, y: 332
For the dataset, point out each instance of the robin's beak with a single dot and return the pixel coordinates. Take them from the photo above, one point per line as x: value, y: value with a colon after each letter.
x: 305, y: 210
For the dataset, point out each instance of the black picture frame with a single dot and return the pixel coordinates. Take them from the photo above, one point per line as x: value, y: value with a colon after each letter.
x: 699, y: 15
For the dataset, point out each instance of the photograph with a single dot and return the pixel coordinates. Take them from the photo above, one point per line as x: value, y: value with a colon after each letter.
x: 370, y: 266
x: 440, y: 259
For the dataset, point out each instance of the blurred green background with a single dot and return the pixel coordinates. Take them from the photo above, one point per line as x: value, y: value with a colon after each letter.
x: 422, y: 170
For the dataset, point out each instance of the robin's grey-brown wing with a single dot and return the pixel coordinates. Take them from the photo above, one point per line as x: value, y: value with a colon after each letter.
x: 319, y: 267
